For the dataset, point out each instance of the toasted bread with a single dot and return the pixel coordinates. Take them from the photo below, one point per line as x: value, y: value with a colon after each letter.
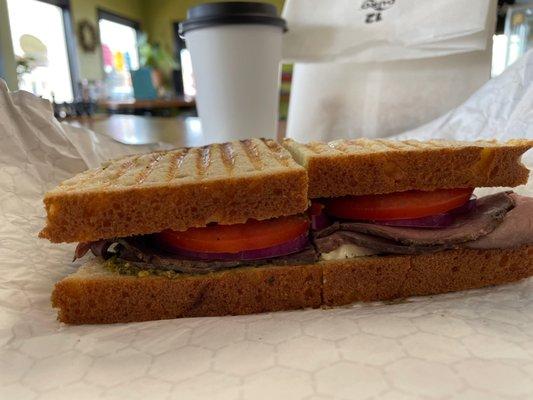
x: 226, y: 183
x: 364, y: 166
x: 95, y: 295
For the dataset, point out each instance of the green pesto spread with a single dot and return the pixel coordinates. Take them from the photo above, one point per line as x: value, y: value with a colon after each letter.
x: 122, y: 267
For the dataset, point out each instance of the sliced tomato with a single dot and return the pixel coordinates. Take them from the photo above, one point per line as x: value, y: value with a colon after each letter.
x: 236, y: 238
x: 400, y: 205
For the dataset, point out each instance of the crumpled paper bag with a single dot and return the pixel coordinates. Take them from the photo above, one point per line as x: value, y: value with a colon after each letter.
x: 358, y: 78
x: 383, y: 30
x: 503, y: 107
x: 331, y: 100
x: 472, y: 345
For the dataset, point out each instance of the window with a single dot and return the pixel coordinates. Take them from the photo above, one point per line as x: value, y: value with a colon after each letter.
x: 118, y: 36
x: 40, y: 46
x: 519, y: 31
x: 515, y: 39
x: 189, y: 89
x: 182, y: 54
x: 499, y: 52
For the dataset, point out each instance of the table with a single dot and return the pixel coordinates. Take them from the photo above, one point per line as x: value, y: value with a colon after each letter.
x: 140, y: 130
x: 154, y: 104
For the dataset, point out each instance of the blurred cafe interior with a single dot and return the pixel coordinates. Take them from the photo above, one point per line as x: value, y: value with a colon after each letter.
x: 120, y: 67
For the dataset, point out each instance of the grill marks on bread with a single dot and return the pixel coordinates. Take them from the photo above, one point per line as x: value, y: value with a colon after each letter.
x: 256, y: 155
x: 226, y: 183
x: 278, y: 152
x: 175, y: 160
x: 203, y: 160
x: 149, y: 168
x: 228, y: 156
x: 250, y: 149
x: 206, y: 162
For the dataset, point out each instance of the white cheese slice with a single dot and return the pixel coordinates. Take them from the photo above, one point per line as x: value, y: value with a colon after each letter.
x: 347, y: 251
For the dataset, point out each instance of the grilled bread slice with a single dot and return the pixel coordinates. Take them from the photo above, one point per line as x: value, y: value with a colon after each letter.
x: 364, y: 166
x: 226, y: 183
x: 95, y: 295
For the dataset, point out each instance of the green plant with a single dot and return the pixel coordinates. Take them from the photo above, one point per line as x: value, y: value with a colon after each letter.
x: 154, y: 56
x: 25, y: 64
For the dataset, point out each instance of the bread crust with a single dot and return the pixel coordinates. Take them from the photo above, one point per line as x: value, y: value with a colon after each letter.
x: 363, y: 166
x: 392, y: 277
x: 83, y: 217
x: 229, y: 183
x: 94, y: 295
x: 225, y: 183
x: 110, y: 298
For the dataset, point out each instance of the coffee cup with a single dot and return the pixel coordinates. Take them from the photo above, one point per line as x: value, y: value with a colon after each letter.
x: 235, y: 50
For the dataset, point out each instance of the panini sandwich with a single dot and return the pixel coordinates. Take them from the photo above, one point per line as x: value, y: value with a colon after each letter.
x: 398, y: 218
x: 252, y: 226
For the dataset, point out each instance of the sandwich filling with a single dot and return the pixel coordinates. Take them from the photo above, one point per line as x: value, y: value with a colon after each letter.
x: 277, y: 241
x: 501, y: 220
x: 399, y: 223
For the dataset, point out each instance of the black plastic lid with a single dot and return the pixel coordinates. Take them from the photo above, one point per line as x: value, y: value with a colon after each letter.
x: 232, y: 12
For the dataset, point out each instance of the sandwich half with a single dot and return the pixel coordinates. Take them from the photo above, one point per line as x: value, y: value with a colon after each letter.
x: 229, y: 229
x: 213, y: 230
x: 399, y: 218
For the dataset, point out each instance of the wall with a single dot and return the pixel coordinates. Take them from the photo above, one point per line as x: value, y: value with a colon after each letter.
x: 155, y: 16
x: 161, y: 14
x: 90, y: 64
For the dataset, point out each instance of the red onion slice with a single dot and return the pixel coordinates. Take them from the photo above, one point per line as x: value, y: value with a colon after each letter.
x: 433, y: 221
x: 292, y: 246
x: 81, y: 249
x: 319, y: 221
x: 98, y: 248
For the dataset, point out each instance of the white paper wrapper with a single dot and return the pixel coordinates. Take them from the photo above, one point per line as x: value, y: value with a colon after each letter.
x: 376, y: 100
x: 383, y: 30
x: 375, y: 68
x: 473, y: 345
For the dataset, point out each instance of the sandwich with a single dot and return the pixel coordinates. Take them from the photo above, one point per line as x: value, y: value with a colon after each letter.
x: 254, y: 226
x: 212, y: 230
x: 399, y: 218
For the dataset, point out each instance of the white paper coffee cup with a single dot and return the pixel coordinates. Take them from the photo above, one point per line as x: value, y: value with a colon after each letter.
x: 236, y: 53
